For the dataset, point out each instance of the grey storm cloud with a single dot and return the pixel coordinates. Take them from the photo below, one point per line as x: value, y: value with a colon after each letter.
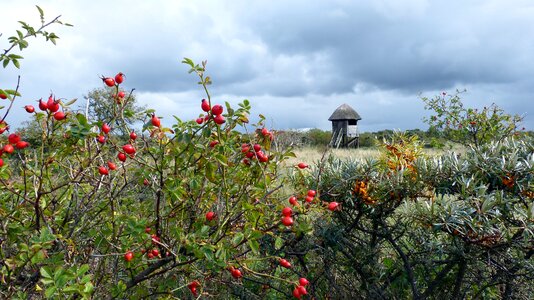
x: 295, y: 60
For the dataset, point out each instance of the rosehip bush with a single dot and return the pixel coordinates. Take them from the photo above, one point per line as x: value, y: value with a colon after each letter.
x: 469, y: 126
x: 89, y: 211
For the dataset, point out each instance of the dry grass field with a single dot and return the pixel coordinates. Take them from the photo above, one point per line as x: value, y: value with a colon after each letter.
x: 311, y: 155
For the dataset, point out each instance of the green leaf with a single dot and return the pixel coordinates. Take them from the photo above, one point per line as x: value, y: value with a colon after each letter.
x: 278, y: 243
x: 12, y: 92
x: 208, y: 252
x: 16, y: 63
x: 41, y: 12
x: 82, y: 270
x: 254, y: 246
x: 45, y: 273
x: 50, y: 291
x: 210, y: 172
x: 238, y: 238
x: 89, y: 288
x: 70, y: 102
x: 70, y: 289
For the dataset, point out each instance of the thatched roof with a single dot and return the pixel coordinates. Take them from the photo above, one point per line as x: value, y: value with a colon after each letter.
x: 344, y: 112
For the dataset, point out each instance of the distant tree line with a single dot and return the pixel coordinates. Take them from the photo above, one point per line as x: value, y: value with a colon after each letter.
x: 430, y: 138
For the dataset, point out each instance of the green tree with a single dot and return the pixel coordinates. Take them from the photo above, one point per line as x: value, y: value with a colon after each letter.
x: 469, y: 126
x: 101, y: 105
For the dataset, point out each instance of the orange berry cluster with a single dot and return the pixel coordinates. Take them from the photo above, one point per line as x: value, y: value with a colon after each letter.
x: 361, y: 190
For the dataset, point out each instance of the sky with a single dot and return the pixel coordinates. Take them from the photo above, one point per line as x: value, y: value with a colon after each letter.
x: 295, y: 61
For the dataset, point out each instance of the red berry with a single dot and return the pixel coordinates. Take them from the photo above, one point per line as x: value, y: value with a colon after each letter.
x: 155, y: 252
x: 102, y: 170
x: 210, y: 216
x: 105, y: 128
x: 155, y: 121
x: 3, y: 96
x: 21, y: 144
x: 250, y: 154
x: 112, y: 166
x: 59, y: 116
x: 217, y: 109
x: 303, y: 281
x: 265, y: 131
x: 150, y: 255
x: 119, y: 78
x: 129, y: 149
x: 121, y: 94
x: 128, y: 256
x: 287, y: 221
x: 194, y: 291
x: 1, y: 162
x: 219, y: 119
x: 245, y: 148
x: 133, y: 135
x: 42, y: 105
x: 8, y: 148
x: 29, y: 108
x: 236, y: 273
x: 257, y: 147
x: 302, y: 290
x: 205, y: 105
x: 246, y: 161
x: 199, y: 121
x: 145, y: 182
x: 52, y: 104
x: 296, y: 293
x: 121, y: 156
x: 13, y: 138
x: 333, y: 206
x: 309, y: 199
x: 109, y: 81
x: 101, y: 139
x: 284, y: 263
x: 148, y: 229
x: 302, y: 165
x: 263, y: 157
x: 312, y: 193
x: 194, y: 284
x: 293, y: 201
x: 287, y: 211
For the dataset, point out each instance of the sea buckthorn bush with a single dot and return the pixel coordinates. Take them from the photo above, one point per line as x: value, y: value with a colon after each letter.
x: 457, y: 225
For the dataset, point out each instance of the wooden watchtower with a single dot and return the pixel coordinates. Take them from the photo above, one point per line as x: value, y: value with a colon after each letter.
x: 345, y: 127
